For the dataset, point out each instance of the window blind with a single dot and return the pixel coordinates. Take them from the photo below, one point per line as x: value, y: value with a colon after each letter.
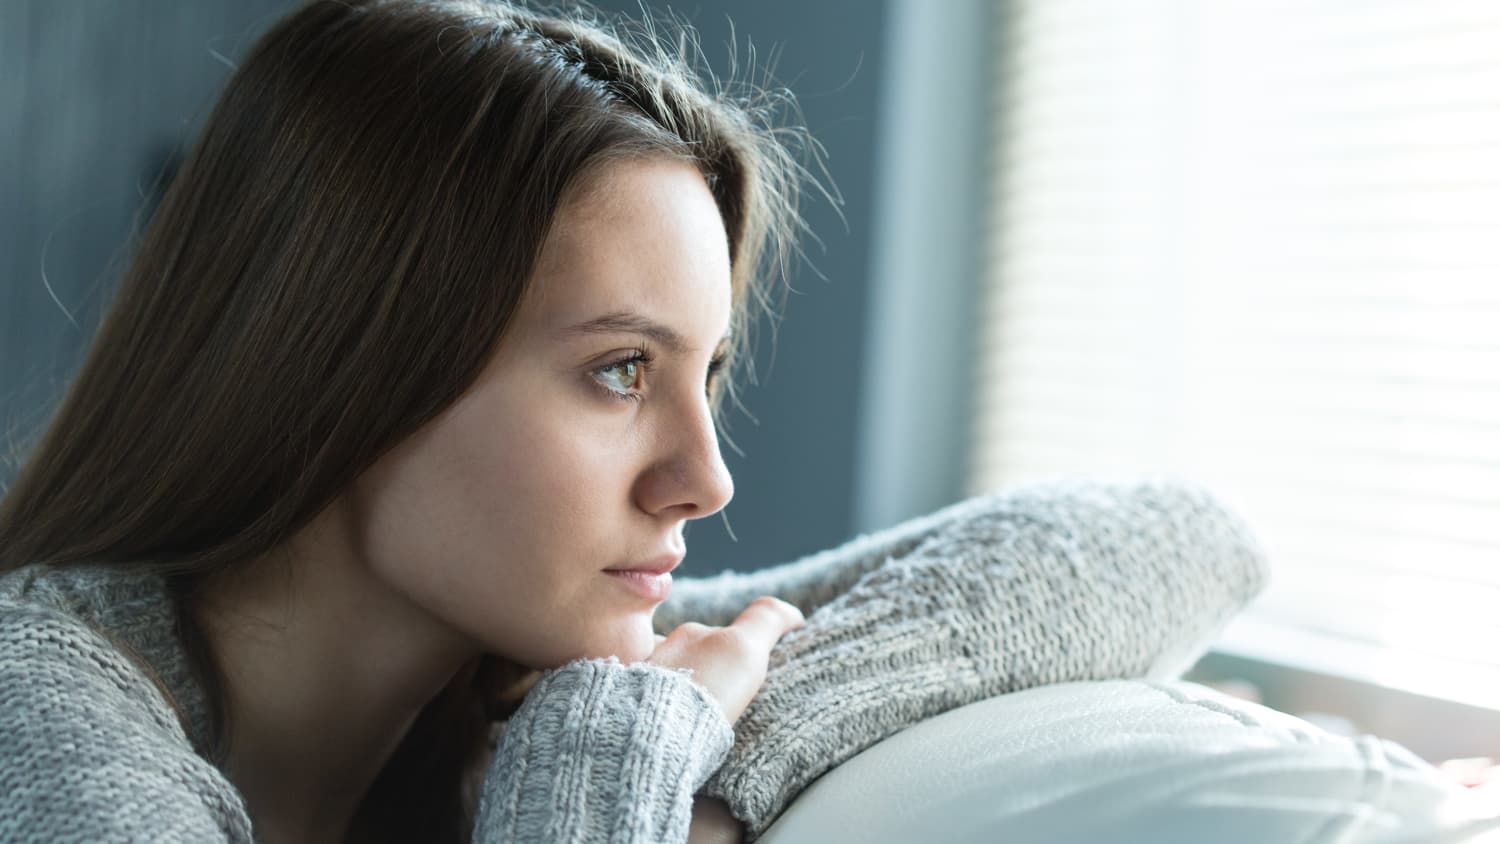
x: 1258, y: 244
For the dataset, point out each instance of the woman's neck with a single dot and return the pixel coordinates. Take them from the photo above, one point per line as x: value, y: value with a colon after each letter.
x: 325, y: 671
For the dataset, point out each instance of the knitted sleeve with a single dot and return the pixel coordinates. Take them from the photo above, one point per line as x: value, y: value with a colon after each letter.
x: 601, y: 751
x: 809, y: 582
x: 90, y: 751
x: 1042, y: 584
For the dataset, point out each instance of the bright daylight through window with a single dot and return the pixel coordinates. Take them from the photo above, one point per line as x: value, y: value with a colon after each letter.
x: 1258, y: 243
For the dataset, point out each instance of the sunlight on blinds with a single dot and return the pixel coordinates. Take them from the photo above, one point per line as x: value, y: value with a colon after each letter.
x: 1258, y: 244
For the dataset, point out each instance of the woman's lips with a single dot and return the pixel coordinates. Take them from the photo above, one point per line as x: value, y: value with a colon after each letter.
x: 655, y: 587
x: 656, y: 565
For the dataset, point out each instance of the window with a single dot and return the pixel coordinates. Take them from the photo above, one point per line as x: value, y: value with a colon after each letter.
x: 1258, y: 244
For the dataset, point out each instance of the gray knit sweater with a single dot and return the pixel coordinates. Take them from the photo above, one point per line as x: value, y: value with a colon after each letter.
x: 1049, y: 583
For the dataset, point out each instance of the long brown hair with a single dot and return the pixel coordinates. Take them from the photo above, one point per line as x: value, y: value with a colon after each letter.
x: 332, y: 266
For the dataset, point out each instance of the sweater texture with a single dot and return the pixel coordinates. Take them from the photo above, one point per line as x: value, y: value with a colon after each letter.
x: 1073, y: 580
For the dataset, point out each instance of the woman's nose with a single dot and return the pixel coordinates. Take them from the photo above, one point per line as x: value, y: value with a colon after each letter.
x: 689, y: 471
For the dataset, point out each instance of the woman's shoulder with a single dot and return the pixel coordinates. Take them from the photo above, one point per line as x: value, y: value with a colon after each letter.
x: 98, y: 630
x: 90, y: 592
x: 53, y: 642
x: 88, y: 747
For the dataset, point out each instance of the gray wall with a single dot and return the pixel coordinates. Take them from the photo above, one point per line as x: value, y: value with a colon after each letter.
x: 95, y: 96
x: 935, y: 146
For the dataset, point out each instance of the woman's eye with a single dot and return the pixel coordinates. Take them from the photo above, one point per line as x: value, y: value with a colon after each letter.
x: 628, y: 370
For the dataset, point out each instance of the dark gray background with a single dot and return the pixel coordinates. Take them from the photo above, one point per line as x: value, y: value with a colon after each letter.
x: 96, y: 96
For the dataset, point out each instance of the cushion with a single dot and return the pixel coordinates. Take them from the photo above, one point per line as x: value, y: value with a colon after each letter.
x: 1131, y: 760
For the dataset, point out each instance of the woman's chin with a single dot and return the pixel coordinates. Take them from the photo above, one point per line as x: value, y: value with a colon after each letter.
x: 628, y: 639
x: 629, y: 642
x: 639, y: 647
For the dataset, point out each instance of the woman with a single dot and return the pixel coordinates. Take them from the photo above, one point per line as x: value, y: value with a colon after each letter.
x: 356, y: 521
x: 417, y: 358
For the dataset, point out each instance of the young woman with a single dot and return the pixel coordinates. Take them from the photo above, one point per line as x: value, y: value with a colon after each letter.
x: 356, y: 521
x: 408, y: 392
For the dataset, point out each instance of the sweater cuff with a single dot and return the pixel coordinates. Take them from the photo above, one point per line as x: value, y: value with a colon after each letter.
x: 603, y: 751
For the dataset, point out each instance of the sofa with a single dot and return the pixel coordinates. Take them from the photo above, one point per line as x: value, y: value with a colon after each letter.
x: 1159, y: 761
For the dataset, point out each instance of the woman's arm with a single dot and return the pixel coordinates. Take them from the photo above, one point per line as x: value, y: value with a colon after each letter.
x: 808, y: 582
x: 1043, y: 584
x: 603, y: 752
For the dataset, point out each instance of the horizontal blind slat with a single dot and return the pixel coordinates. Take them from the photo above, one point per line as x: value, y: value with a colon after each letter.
x: 1282, y: 275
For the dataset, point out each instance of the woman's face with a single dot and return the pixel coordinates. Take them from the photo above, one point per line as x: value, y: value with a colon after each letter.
x: 499, y: 518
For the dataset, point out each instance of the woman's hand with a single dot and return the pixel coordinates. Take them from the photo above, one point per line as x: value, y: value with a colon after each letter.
x: 730, y: 662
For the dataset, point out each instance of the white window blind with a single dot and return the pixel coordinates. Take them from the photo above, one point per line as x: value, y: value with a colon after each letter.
x: 1258, y: 243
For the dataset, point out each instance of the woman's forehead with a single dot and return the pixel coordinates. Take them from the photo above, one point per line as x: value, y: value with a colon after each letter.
x: 667, y: 337
x: 646, y: 256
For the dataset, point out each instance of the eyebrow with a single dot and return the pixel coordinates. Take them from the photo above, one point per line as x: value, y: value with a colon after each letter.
x: 630, y: 322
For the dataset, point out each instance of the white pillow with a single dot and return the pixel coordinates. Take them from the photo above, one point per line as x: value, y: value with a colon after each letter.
x: 1166, y: 762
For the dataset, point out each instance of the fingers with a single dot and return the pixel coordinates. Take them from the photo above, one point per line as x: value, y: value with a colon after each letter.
x: 766, y: 620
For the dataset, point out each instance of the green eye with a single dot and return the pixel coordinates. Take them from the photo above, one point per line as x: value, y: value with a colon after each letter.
x: 638, y: 360
x: 624, y: 366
